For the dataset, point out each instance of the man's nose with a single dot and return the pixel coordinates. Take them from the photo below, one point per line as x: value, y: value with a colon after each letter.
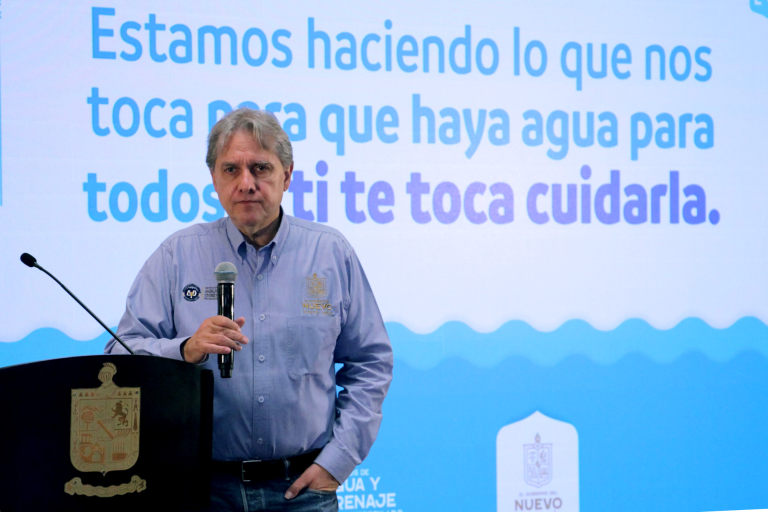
x: 247, y: 183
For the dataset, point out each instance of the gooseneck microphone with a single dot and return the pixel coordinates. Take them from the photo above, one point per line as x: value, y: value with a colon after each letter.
x: 225, y: 274
x: 30, y: 261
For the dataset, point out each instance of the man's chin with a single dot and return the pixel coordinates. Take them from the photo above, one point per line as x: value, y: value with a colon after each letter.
x: 250, y: 224
x: 248, y: 213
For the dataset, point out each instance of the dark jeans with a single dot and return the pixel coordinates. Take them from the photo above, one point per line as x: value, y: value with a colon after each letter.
x: 228, y: 493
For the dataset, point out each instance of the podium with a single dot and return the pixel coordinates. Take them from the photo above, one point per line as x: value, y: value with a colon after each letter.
x: 116, y: 432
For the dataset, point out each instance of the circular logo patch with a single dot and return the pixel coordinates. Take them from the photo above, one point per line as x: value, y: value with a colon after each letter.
x: 191, y: 292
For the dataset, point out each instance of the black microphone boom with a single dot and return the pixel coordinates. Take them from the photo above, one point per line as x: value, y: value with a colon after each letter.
x: 30, y: 261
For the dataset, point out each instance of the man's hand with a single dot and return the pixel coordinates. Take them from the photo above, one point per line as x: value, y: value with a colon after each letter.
x: 315, y: 477
x: 216, y: 335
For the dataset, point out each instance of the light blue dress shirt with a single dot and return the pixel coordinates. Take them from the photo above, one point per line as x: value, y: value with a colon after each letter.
x: 307, y: 305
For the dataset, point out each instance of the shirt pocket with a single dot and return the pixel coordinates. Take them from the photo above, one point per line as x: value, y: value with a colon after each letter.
x: 311, y: 343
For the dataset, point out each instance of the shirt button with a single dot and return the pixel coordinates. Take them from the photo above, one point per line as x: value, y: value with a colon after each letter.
x: 262, y: 317
x: 261, y: 399
x: 262, y: 358
x: 259, y: 440
x: 274, y: 258
x: 259, y: 277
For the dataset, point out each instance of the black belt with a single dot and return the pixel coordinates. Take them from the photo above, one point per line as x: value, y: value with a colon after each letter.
x: 259, y: 470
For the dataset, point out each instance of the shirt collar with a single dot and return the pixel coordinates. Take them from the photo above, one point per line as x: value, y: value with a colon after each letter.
x: 281, y: 236
x: 237, y: 239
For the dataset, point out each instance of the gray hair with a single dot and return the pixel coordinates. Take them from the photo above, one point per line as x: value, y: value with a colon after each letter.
x: 264, y: 127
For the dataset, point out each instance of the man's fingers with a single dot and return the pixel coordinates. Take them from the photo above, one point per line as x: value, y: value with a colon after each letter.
x: 222, y: 321
x: 297, y: 486
x: 223, y: 340
x: 223, y: 325
x: 216, y: 349
x: 216, y: 335
x: 236, y: 336
x: 218, y: 344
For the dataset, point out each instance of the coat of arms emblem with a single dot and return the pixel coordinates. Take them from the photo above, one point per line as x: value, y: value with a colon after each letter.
x: 538, y: 463
x: 104, y: 433
x: 316, y: 286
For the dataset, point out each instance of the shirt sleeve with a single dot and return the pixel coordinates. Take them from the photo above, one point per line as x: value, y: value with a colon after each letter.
x: 363, y: 347
x: 147, y: 325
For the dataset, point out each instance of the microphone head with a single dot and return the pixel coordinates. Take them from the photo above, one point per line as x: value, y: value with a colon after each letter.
x: 28, y: 259
x: 225, y: 272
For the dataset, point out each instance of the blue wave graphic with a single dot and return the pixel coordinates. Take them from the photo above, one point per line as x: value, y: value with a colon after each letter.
x: 515, y: 338
x: 685, y: 436
x: 48, y: 343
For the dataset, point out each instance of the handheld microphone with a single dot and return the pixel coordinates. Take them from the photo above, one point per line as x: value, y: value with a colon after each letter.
x: 30, y: 261
x: 225, y: 274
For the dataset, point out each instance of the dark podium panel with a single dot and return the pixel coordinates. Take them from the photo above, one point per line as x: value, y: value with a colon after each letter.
x: 116, y: 432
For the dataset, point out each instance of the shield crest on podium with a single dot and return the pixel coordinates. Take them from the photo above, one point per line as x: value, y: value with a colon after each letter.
x: 105, y: 425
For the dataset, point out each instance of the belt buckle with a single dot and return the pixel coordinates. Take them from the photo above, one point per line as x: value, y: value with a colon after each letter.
x: 242, y: 469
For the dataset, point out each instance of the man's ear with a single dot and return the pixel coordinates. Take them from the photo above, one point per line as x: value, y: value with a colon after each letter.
x: 287, y: 181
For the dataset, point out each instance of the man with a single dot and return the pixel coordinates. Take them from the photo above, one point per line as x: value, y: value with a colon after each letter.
x: 302, y: 304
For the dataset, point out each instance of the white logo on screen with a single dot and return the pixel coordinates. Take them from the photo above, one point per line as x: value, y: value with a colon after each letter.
x: 538, y: 463
x: 526, y: 477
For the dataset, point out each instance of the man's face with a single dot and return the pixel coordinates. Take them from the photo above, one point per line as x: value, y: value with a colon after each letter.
x: 250, y: 182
